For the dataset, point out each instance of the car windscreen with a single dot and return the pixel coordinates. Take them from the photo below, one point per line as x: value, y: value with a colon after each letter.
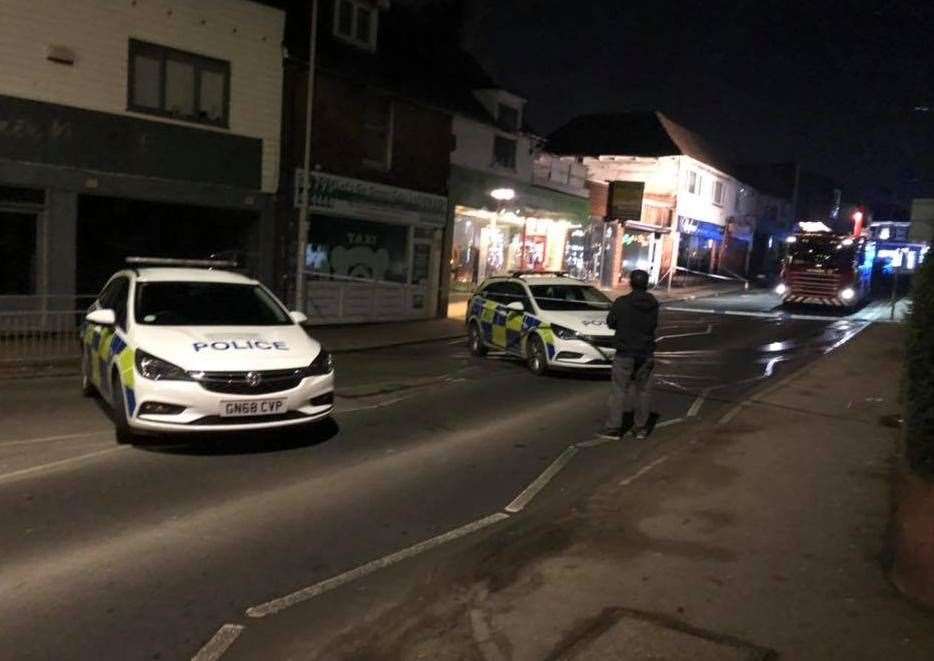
x: 822, y: 253
x: 207, y: 304
x: 569, y: 297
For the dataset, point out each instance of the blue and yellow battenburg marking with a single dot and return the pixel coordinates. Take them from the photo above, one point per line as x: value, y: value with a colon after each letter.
x: 508, y: 328
x: 106, y: 347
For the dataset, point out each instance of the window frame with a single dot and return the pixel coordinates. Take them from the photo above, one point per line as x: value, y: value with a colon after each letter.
x: 199, y: 63
x: 693, y: 183
x: 386, y: 165
x: 718, y: 186
x: 351, y: 38
x: 515, y: 152
x: 512, y: 128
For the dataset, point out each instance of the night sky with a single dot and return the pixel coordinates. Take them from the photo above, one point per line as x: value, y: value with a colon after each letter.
x: 845, y: 88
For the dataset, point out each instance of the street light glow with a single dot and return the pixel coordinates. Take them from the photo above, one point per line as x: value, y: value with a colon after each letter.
x: 503, y: 194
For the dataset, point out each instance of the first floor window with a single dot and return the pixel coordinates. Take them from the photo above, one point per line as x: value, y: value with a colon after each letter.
x: 693, y: 183
x: 504, y: 152
x: 355, y: 22
x: 718, y: 193
x: 172, y: 83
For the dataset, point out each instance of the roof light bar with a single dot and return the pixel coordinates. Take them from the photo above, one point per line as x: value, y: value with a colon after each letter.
x: 171, y: 261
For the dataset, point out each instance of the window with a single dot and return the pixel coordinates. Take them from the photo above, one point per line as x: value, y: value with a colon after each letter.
x: 718, y: 193
x: 355, y: 22
x: 114, y: 297
x: 377, y: 133
x: 693, y: 183
x: 206, y: 304
x: 505, y: 293
x: 504, y: 152
x: 508, y: 118
x: 17, y: 253
x: 171, y: 83
x: 570, y: 297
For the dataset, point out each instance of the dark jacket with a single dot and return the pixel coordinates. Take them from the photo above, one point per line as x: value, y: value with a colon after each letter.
x: 634, y: 318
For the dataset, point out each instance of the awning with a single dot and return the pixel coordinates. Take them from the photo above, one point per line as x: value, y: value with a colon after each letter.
x: 700, y: 228
x: 646, y: 227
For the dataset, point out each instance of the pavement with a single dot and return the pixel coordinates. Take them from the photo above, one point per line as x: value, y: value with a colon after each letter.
x: 164, y: 549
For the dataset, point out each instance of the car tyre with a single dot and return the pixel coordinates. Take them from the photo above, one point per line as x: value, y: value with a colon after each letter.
x: 87, y: 387
x: 475, y: 340
x: 537, y: 356
x: 124, y: 433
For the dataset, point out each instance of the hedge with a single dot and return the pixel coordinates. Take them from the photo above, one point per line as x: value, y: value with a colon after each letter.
x: 919, y: 373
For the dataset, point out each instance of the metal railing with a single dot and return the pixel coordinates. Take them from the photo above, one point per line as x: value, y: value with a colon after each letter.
x: 335, y: 299
x: 40, y: 329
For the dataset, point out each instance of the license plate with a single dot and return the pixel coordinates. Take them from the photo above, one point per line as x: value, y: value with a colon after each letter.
x: 252, y: 407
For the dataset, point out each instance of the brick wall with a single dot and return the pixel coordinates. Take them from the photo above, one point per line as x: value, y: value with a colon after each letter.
x: 421, y: 139
x: 246, y: 34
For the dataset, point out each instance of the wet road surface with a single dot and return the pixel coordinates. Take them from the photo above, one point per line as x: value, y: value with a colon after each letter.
x: 148, y: 550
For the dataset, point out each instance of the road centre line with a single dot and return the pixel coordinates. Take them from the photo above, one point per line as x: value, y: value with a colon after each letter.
x: 219, y: 643
x: 698, y: 403
x: 57, y: 464
x: 299, y: 596
x: 50, y: 439
x: 527, y: 494
x: 642, y: 471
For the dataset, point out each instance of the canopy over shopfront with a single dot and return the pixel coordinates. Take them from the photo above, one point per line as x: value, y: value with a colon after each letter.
x: 502, y: 225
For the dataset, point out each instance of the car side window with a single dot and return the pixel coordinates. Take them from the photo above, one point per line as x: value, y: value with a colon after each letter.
x: 119, y: 304
x: 513, y: 291
x: 494, y: 292
x: 107, y: 296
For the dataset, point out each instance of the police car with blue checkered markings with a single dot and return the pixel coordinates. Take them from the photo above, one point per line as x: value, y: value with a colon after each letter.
x: 174, y: 348
x: 549, y: 320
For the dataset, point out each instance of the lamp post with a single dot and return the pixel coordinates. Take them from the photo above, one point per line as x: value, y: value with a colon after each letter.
x: 302, y: 238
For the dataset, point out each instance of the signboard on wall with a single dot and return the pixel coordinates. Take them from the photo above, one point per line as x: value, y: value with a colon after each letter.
x: 626, y: 200
x: 343, y: 195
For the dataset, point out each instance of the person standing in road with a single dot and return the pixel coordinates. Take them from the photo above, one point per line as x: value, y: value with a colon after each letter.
x: 634, y: 317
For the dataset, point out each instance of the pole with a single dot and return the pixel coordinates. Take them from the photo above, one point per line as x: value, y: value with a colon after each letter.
x: 302, y: 238
x: 894, y: 292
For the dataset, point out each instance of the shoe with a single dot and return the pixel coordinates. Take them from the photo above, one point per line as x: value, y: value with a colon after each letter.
x: 642, y: 434
x: 629, y: 419
x: 609, y: 432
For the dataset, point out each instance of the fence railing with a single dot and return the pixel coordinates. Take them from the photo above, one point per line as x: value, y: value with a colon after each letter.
x: 36, y: 329
x: 334, y: 299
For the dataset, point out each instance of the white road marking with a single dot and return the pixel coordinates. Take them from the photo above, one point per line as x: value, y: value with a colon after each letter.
x: 50, y: 439
x: 313, y: 591
x: 704, y: 332
x: 222, y: 640
x: 642, y: 471
x: 57, y: 464
x: 527, y: 494
x: 698, y: 403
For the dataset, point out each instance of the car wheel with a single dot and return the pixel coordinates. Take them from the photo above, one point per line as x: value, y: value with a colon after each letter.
x: 475, y: 340
x: 124, y: 432
x: 87, y: 387
x: 536, y: 356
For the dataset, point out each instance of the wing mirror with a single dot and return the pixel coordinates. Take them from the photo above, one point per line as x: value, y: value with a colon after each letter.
x: 101, y: 317
x: 515, y: 305
x: 298, y: 317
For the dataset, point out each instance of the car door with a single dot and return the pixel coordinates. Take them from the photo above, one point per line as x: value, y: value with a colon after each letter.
x: 513, y: 322
x: 485, y: 308
x: 103, y: 342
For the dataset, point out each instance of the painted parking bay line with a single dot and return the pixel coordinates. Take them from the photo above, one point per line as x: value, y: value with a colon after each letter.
x: 312, y: 591
x: 527, y: 494
x: 219, y: 643
x: 5, y: 477
x: 52, y: 439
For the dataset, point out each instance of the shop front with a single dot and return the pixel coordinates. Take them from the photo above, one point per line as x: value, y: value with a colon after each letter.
x: 700, y: 244
x: 504, y: 225
x: 632, y: 245
x: 373, y: 252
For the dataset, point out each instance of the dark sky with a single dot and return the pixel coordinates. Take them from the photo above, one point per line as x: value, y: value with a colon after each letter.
x: 834, y: 85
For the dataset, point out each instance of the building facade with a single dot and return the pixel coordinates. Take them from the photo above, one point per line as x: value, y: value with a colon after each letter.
x: 133, y: 128
x: 379, y: 171
x: 665, y: 201
x: 514, y: 207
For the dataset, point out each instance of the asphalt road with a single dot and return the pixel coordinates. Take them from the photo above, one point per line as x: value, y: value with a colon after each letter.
x: 143, y: 552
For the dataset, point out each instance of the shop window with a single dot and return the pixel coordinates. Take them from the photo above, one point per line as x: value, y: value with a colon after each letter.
x: 504, y: 152
x: 17, y: 253
x: 718, y: 193
x: 508, y: 118
x: 342, y: 248
x: 172, y: 83
x: 377, y: 133
x: 355, y: 21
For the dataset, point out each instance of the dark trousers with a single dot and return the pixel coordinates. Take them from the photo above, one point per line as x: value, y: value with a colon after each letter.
x: 632, y: 390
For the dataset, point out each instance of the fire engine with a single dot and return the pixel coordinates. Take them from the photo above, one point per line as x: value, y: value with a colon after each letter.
x: 825, y: 268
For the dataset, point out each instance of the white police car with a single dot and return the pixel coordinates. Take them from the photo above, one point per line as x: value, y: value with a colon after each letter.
x: 547, y: 319
x: 177, y: 349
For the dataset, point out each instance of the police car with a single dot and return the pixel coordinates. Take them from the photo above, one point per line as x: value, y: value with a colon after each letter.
x: 174, y: 348
x: 547, y: 319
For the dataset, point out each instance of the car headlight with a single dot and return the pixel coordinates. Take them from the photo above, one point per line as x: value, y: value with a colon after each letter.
x: 781, y: 288
x: 321, y: 365
x: 157, y: 369
x: 847, y: 294
x: 564, y: 333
